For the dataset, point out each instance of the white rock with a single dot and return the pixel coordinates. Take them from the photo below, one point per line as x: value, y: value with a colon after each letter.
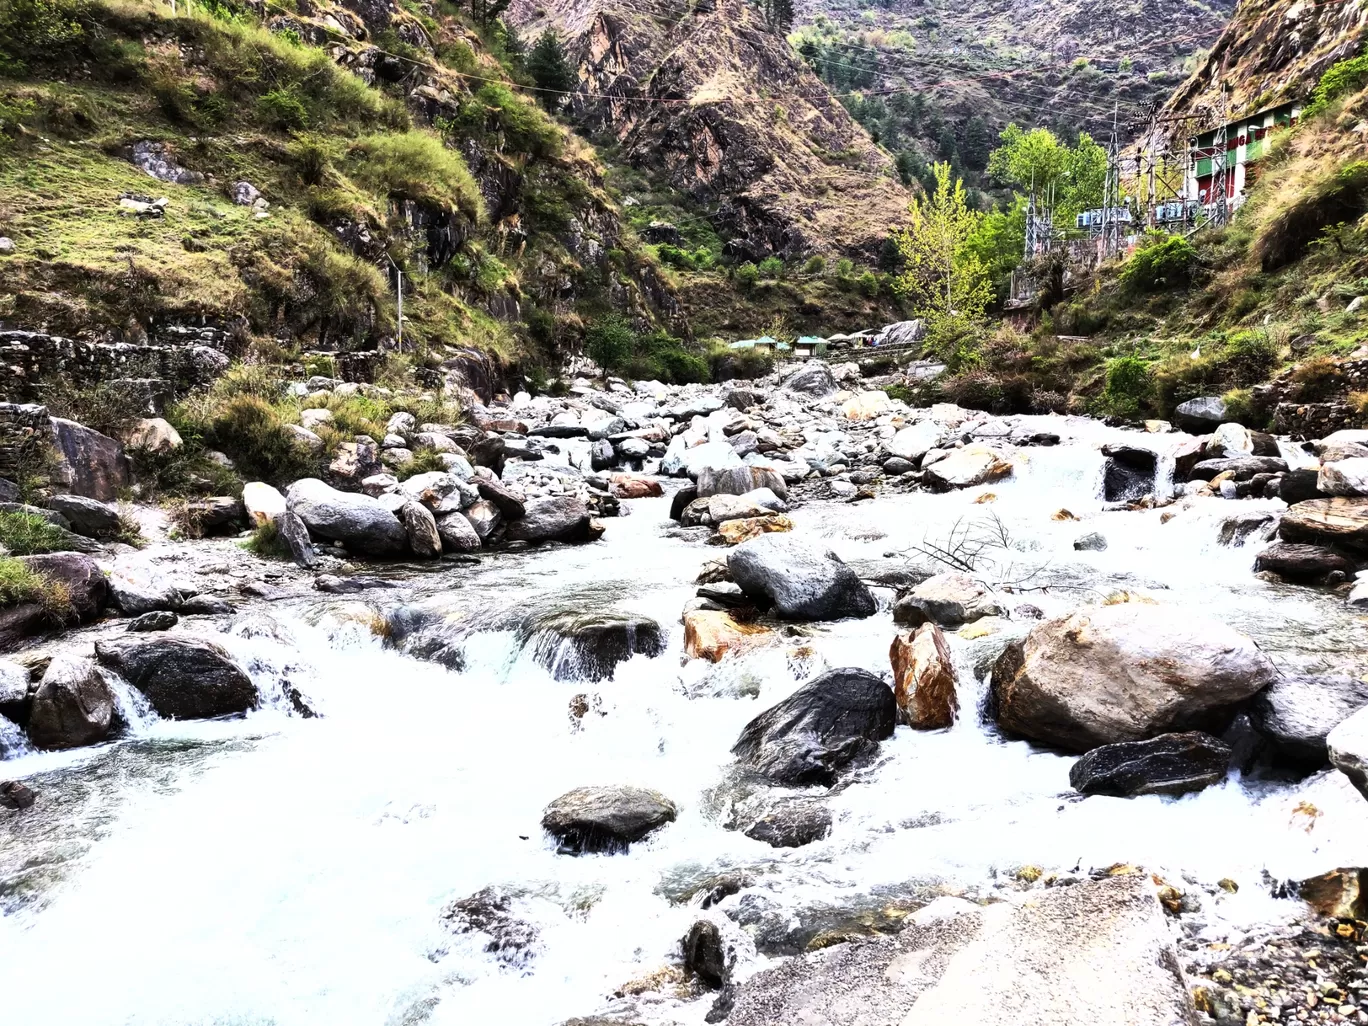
x: 916, y: 440
x: 262, y: 502
x: 1344, y: 477
x: 153, y: 434
x: 314, y: 419
x: 1234, y: 438
x: 305, y: 437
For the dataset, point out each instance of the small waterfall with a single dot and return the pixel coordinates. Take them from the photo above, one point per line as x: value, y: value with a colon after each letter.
x: 131, y: 706
x: 13, y: 741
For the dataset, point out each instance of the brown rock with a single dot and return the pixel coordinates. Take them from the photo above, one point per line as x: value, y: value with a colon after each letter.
x: 734, y: 532
x: 634, y: 486
x: 1339, y: 521
x: 924, y: 678
x: 1342, y: 893
x: 711, y: 634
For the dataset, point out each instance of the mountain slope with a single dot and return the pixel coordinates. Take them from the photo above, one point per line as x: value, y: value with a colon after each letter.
x: 722, y: 110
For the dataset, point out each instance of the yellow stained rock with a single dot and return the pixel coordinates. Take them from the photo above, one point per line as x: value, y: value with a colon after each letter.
x: 712, y: 633
x: 1063, y: 514
x: 924, y: 678
x: 986, y: 497
x: 734, y: 532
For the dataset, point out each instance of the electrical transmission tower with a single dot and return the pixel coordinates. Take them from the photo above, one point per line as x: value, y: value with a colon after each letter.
x: 1111, y: 195
x: 1220, y: 211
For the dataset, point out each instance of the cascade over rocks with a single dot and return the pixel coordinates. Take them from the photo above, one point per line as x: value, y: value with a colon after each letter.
x: 803, y: 580
x: 820, y: 728
x: 1297, y: 712
x: 184, y: 677
x: 1347, y: 746
x: 1124, y: 672
x: 606, y: 819
x: 582, y: 645
x: 972, y: 465
x: 1170, y: 764
x: 1128, y: 474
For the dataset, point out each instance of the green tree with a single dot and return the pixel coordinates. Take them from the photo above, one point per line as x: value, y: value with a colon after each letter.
x: 778, y: 14
x: 978, y: 144
x: 485, y: 12
x: 1070, y: 178
x: 609, y: 342
x: 998, y: 240
x: 550, y: 70
x: 945, y: 282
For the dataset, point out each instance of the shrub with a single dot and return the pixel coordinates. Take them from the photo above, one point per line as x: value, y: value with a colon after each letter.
x: 19, y: 584
x: 417, y: 166
x: 1129, y: 385
x: 353, y: 414
x: 523, y: 124
x: 1164, y: 263
x: 281, y: 108
x: 267, y: 543
x: 814, y: 264
x: 746, y: 276
x: 1239, y: 404
x: 1248, y: 357
x: 771, y: 267
x: 609, y: 342
x: 107, y: 406
x: 28, y: 534
x: 255, y: 436
x: 424, y: 460
x: 1334, y: 196
x: 1340, y: 79
x: 868, y: 284
x: 1317, y: 379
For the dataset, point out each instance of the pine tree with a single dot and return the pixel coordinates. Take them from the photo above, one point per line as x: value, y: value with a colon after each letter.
x: 486, y: 11
x: 977, y: 145
x: 550, y: 70
x: 778, y: 14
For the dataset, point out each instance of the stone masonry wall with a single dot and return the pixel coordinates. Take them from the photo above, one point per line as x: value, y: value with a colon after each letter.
x: 23, y: 428
x: 30, y: 359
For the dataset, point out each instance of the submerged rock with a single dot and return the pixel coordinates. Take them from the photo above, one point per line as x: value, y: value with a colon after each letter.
x: 791, y: 823
x: 705, y: 953
x: 185, y: 678
x: 587, y: 645
x: 820, y: 728
x: 606, y: 819
x: 1123, y: 672
x: 803, y: 580
x: 1170, y: 764
x: 510, y: 939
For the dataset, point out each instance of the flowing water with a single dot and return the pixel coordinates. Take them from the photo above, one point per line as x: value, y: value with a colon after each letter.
x: 289, y: 871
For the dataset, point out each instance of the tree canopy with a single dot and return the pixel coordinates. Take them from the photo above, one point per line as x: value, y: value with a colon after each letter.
x: 550, y: 69
x: 1069, y: 178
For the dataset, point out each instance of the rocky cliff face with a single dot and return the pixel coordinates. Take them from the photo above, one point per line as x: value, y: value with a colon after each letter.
x: 729, y: 115
x: 1271, y: 51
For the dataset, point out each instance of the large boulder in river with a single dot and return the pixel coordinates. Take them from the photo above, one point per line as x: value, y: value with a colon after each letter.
x: 556, y: 518
x: 1339, y: 521
x: 1347, y: 745
x: 1093, y: 954
x: 924, y: 679
x: 358, y: 521
x: 606, y: 819
x: 823, y: 726
x: 73, y: 705
x: 86, y: 586
x: 916, y: 440
x: 89, y: 463
x: 1170, y: 764
x: 812, y: 378
x: 1302, y: 562
x: 1344, y: 477
x: 950, y: 600
x: 1128, y: 474
x: 1201, y: 416
x: 1124, y: 672
x: 1297, y: 712
x: 185, y: 678
x: 421, y: 527
x: 575, y: 644
x: 805, y: 581
x: 972, y: 465
x: 740, y: 481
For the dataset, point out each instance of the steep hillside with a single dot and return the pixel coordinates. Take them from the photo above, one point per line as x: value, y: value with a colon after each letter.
x: 965, y: 69
x: 706, y: 100
x: 1273, y: 50
x: 304, y: 163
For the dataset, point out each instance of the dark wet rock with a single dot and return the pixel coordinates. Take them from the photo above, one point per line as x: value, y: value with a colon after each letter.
x: 206, y: 605
x: 14, y: 795
x: 490, y: 912
x: 295, y: 534
x: 14, y: 690
x: 1124, y: 672
x: 85, y: 583
x: 706, y: 954
x: 1170, y: 764
x: 73, y: 705
x: 1298, y: 486
x: 89, y: 517
x: 559, y: 518
x: 157, y: 620
x: 91, y: 464
x: 1241, y: 468
x: 1090, y: 542
x: 588, y: 645
x: 1297, y: 712
x: 352, y: 585
x: 218, y: 514
x: 1347, y: 746
x: 950, y: 600
x: 185, y: 678
x: 560, y: 431
x: 820, y: 728
x: 1302, y: 562
x: 896, y: 465
x: 791, y: 823
x: 19, y: 622
x: 421, y: 527
x: 358, y: 521
x: 956, y: 963
x: 1340, y: 893
x: 803, y: 580
x: 812, y: 378
x: 1241, y: 528
x: 1128, y: 473
x: 681, y: 500
x: 606, y: 819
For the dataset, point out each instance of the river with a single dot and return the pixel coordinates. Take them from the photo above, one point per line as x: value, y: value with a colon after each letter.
x: 288, y: 871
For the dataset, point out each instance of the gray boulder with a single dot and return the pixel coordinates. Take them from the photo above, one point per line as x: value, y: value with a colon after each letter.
x: 556, y: 518
x: 508, y: 502
x: 1297, y: 712
x: 606, y: 819
x: 421, y: 526
x: 1124, y: 672
x: 790, y: 823
x: 90, y: 464
x: 358, y: 521
x: 484, y: 517
x: 949, y: 600
x: 1347, y: 746
x: 811, y: 378
x: 86, y: 516
x: 296, y: 537
x: 86, y: 585
x: 134, y: 591
x: 739, y: 481
x: 822, y: 727
x: 1201, y: 416
x: 1298, y: 562
x: 184, y: 677
x: 1170, y: 764
x: 73, y: 705
x: 458, y: 533
x: 803, y: 580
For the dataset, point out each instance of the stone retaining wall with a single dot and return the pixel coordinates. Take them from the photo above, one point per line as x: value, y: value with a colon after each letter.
x: 30, y: 359
x: 23, y: 428
x: 1315, y: 420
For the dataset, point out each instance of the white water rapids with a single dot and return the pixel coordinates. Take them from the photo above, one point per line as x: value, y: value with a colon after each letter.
x: 288, y: 871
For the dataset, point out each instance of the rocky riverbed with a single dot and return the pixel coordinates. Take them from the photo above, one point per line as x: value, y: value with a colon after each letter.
x: 776, y: 687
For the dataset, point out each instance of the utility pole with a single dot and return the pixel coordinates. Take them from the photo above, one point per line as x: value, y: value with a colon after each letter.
x: 400, y: 287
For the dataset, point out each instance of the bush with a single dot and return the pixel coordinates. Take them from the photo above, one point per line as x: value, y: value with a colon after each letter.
x: 255, y: 436
x: 1164, y: 263
x: 771, y: 267
x: 424, y: 460
x: 609, y: 342
x: 1340, y: 79
x: 28, y: 534
x: 1317, y: 379
x: 267, y: 543
x: 19, y: 584
x: 1248, y: 357
x: 724, y: 364
x: 281, y: 108
x: 815, y: 264
x: 1333, y: 196
x: 746, y: 276
x: 1129, y: 386
x: 1239, y: 404
x: 868, y: 284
